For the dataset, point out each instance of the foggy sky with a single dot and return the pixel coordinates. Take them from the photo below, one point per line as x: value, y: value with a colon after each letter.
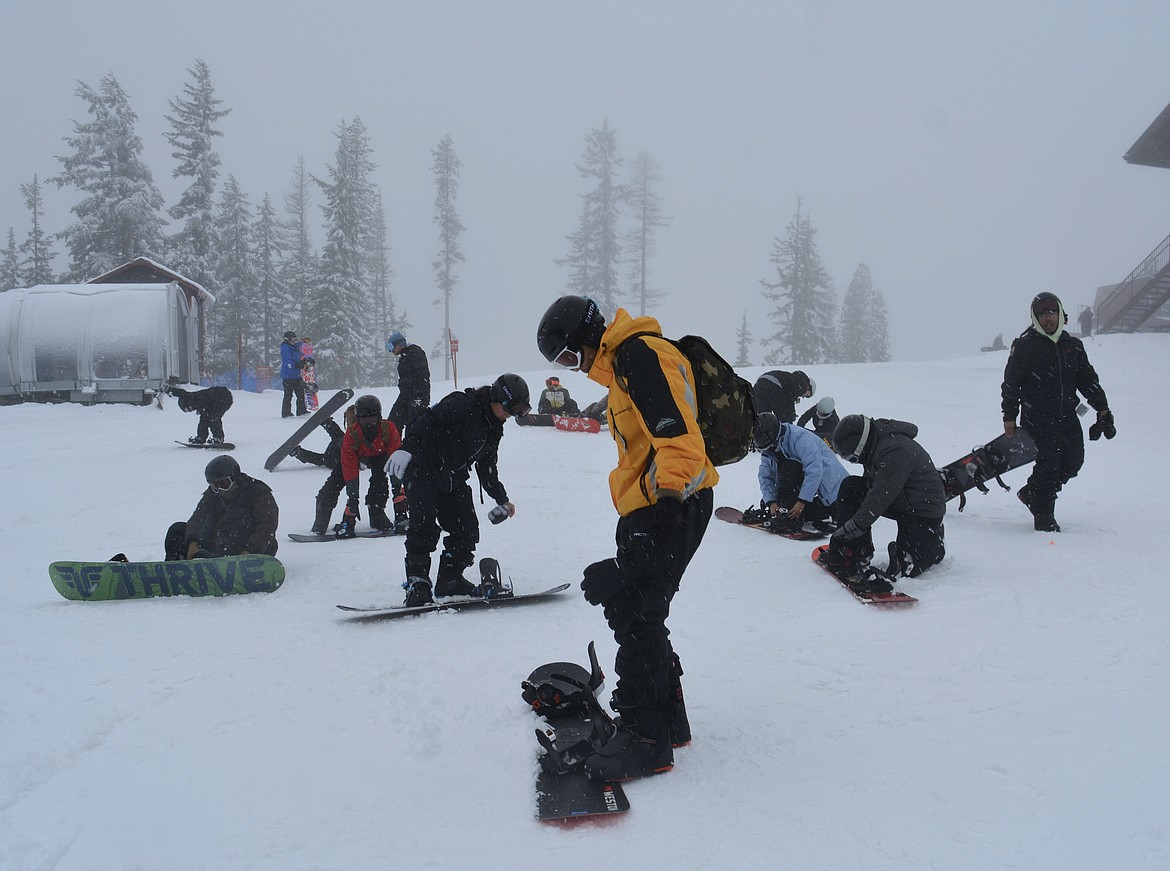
x: 969, y: 154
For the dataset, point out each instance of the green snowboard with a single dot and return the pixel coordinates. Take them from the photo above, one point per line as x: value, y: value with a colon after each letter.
x: 223, y: 576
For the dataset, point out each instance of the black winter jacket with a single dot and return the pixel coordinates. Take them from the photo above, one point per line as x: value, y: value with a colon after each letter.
x: 213, y: 401
x: 901, y: 476
x: 244, y: 522
x: 1042, y: 377
x: 779, y: 392
x: 459, y: 430
x: 414, y: 386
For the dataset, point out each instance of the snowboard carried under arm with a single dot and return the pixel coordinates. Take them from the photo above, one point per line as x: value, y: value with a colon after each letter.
x: 327, y: 409
x: 985, y: 463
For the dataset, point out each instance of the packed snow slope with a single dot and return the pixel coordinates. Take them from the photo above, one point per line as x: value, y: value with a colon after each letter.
x: 1015, y: 718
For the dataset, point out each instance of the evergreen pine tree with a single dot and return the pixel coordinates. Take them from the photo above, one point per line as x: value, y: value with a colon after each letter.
x: 594, y: 250
x: 446, y: 170
x: 855, y: 314
x: 744, y: 343
x: 300, y: 267
x: 341, y: 309
x: 191, y: 134
x: 879, y: 331
x: 36, y: 266
x: 119, y: 215
x: 271, y: 294
x: 10, y: 265
x: 385, y: 368
x: 646, y: 209
x: 235, y: 323
x: 804, y: 300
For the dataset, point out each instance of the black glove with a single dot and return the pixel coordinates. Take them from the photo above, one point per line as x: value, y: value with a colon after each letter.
x: 602, y: 580
x: 845, y: 534
x: 1103, y: 426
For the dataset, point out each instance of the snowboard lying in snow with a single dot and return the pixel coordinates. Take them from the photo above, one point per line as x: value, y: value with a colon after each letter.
x: 807, y: 532
x: 332, y: 536
x: 222, y: 446
x: 563, y: 422
x: 873, y: 587
x: 221, y: 576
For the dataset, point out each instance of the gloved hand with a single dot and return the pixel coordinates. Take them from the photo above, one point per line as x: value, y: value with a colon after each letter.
x: 845, y: 534
x: 1103, y: 426
x: 602, y: 580
x: 396, y: 465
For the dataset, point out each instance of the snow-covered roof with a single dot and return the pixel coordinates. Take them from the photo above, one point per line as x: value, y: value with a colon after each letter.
x: 144, y: 264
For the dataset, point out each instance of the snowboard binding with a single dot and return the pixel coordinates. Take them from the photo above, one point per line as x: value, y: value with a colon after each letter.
x: 565, y: 694
x: 491, y: 583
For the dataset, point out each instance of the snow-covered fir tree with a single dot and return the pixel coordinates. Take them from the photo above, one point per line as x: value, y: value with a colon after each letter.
x: 645, y: 207
x: 119, y: 216
x: 594, y: 258
x: 10, y: 264
x: 385, y: 369
x: 270, y: 292
x: 193, y: 129
x: 300, y: 267
x: 234, y: 322
x: 446, y: 168
x: 36, y: 266
x: 864, y: 331
x: 804, y: 303
x: 341, y: 309
x: 743, y: 337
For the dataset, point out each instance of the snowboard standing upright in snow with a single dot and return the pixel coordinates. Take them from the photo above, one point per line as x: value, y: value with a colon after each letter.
x: 334, y: 402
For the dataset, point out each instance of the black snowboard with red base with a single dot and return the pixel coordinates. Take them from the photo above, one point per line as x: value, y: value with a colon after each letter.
x: 870, y: 586
x: 775, y: 525
x: 986, y: 463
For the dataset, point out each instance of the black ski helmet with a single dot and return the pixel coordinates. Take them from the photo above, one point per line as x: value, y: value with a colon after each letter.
x: 767, y: 430
x: 289, y: 334
x: 1045, y: 296
x: 223, y: 466
x: 569, y: 323
x: 368, y: 406
x: 511, y: 391
x: 851, y: 435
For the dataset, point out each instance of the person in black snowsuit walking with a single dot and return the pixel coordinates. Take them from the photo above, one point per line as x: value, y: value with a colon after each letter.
x: 1046, y: 368
x: 442, y: 444
x: 900, y: 482
x: 211, y: 404
x: 236, y: 515
x: 779, y: 392
x: 414, y: 395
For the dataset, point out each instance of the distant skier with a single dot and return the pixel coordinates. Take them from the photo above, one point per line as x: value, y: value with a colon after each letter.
x: 824, y: 419
x: 369, y: 441
x: 1045, y: 369
x: 236, y: 515
x: 900, y: 482
x: 291, y: 375
x: 211, y: 404
x: 414, y: 395
x: 555, y: 399
x: 779, y: 392
x: 1086, y: 321
x: 461, y: 430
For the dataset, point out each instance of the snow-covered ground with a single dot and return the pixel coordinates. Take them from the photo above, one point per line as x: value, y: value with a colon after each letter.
x: 1015, y: 718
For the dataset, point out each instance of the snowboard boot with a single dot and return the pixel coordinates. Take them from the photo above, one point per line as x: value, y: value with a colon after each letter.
x: 348, y: 526
x: 1046, y: 523
x: 195, y: 440
x: 846, y: 560
x: 1024, y: 494
x: 215, y: 440
x: 450, y: 580
x: 418, y: 592
x: 639, y: 747
x: 379, y: 520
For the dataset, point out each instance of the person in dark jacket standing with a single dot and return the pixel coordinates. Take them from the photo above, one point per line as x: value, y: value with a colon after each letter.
x: 900, y: 482
x: 211, y: 404
x: 291, y: 375
x: 441, y: 445
x: 779, y: 392
x: 414, y: 395
x: 1045, y: 369
x: 662, y: 490
x: 236, y: 515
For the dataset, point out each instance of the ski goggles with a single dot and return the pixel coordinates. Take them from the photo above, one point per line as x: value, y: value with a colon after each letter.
x: 222, y: 485
x: 518, y: 409
x: 569, y: 358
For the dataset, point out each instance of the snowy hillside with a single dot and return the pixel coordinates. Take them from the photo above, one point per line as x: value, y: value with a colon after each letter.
x: 1015, y: 718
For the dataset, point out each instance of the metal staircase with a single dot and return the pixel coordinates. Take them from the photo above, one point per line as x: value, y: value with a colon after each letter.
x: 1140, y: 296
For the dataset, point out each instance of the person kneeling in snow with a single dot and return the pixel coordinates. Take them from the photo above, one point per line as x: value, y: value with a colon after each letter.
x: 799, y: 475
x: 900, y: 482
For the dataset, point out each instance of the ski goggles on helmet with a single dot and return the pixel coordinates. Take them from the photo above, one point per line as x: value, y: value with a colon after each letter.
x: 569, y: 358
x: 221, y: 485
x: 518, y: 409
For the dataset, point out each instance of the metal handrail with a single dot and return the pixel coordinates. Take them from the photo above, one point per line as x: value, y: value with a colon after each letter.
x: 1113, y: 306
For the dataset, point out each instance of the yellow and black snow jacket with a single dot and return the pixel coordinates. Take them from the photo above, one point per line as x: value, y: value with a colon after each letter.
x: 652, y: 415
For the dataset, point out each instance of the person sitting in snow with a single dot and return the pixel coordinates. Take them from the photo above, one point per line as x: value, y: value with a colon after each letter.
x: 236, y: 515
x: 210, y: 403
x: 555, y: 399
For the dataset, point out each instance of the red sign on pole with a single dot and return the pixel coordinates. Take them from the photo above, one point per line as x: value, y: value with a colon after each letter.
x: 454, y: 346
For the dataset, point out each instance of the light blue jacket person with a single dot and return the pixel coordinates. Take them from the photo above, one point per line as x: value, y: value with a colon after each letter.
x: 823, y: 471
